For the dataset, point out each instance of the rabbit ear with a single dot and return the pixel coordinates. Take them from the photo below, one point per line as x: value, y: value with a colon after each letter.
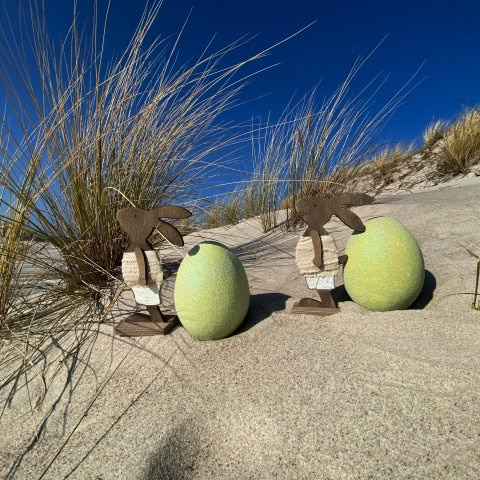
x: 172, y: 211
x: 350, y: 219
x: 170, y: 233
x: 354, y: 199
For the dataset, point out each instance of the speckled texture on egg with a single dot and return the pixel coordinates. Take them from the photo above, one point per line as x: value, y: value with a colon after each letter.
x: 211, y: 291
x: 385, y: 269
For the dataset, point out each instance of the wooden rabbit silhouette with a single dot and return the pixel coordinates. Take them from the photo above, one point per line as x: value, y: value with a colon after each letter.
x: 142, y: 267
x: 316, y: 253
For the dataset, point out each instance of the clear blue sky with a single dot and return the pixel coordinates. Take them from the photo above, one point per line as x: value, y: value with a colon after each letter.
x: 443, y: 34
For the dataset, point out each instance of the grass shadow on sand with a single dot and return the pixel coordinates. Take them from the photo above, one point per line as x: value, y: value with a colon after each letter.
x: 73, y: 369
x: 176, y: 455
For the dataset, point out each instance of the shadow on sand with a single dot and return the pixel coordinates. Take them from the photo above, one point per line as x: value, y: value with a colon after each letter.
x: 426, y: 295
x: 175, y: 457
x: 340, y: 295
x: 262, y: 305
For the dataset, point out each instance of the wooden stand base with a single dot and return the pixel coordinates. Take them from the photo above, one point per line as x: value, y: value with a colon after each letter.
x: 139, y: 325
x: 309, y: 306
x: 313, y: 310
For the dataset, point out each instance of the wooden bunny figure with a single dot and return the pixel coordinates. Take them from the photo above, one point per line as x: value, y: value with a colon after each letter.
x: 316, y: 253
x: 142, y: 267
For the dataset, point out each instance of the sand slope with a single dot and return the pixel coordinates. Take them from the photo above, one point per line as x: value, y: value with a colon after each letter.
x: 355, y: 395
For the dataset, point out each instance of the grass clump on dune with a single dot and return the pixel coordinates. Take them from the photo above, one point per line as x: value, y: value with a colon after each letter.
x: 389, y: 165
x: 433, y: 133
x: 460, y: 145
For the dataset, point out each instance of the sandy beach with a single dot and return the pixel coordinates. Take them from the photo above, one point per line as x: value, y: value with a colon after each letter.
x: 356, y: 395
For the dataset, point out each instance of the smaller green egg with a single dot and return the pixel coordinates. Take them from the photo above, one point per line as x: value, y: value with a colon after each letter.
x: 211, y: 295
x: 385, y: 268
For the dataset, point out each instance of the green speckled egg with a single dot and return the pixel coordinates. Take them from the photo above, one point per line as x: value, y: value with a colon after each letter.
x: 211, y: 291
x: 385, y: 269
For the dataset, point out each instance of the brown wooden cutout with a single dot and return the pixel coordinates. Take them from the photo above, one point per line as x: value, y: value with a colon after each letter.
x: 316, y: 212
x: 170, y: 233
x: 317, y: 248
x: 142, y: 267
x: 139, y: 225
x: 314, y: 310
x: 140, y: 325
x: 354, y: 199
x: 309, y: 306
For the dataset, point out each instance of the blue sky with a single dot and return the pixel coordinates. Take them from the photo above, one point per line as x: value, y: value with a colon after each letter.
x: 445, y: 36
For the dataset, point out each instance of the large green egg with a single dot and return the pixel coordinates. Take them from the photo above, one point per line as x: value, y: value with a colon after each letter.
x: 211, y: 291
x: 385, y: 269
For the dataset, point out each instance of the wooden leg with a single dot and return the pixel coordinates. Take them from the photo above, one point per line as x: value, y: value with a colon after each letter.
x: 326, y: 298
x: 155, y: 313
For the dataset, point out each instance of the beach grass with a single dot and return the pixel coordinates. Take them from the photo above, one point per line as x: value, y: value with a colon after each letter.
x: 325, y: 152
x: 318, y: 148
x: 387, y: 166
x: 476, y: 304
x: 433, y: 133
x: 460, y: 144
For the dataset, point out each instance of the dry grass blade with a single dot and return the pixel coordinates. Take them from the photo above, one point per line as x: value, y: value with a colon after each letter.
x: 434, y: 132
x: 475, y: 306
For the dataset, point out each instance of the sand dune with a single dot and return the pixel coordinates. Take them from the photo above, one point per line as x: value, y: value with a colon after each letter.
x: 353, y: 395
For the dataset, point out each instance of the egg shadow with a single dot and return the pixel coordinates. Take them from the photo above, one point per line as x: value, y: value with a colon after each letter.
x: 262, y: 305
x: 425, y: 296
x: 340, y: 295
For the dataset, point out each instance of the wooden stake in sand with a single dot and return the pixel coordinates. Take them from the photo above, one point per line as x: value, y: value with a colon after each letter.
x: 142, y: 267
x: 316, y: 253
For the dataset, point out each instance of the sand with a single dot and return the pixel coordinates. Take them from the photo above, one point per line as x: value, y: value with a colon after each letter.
x: 355, y: 395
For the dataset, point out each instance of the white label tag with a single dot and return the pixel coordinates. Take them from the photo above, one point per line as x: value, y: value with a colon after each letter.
x: 148, y: 295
